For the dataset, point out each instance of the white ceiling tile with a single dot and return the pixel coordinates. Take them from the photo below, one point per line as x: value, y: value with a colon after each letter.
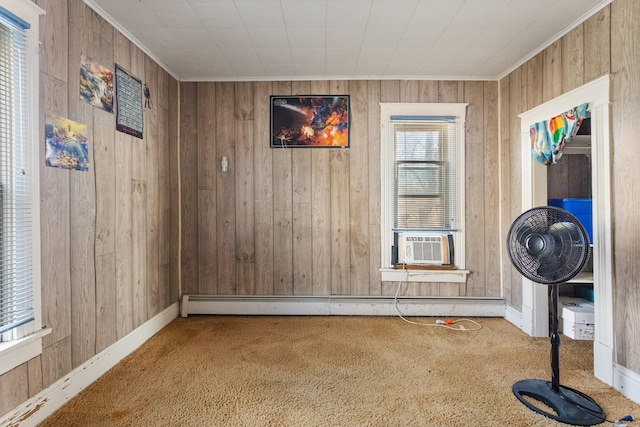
x: 305, y: 70
x: 497, y: 37
x: 205, y: 56
x: 339, y: 70
x: 232, y: 39
x: 408, y: 55
x: 568, y: 7
x: 214, y: 2
x: 191, y: 38
x: 241, y: 56
x: 261, y: 15
x: 555, y: 17
x: 391, y: 14
x: 373, y: 55
x: 477, y: 55
x: 345, y: 39
x: 308, y: 56
x: 401, y: 69
x: 474, y: 16
x: 435, y: 14
x: 443, y: 55
x: 338, y: 55
x: 382, y: 37
x: 419, y: 37
x: 486, y: 69
x: 243, y: 2
x: 455, y: 71
x: 521, y: 14
x: 249, y: 70
x: 305, y: 14
x: 454, y: 39
x: 279, y: 70
x: 269, y: 38
x: 348, y: 15
x: 275, y: 56
x: 176, y: 16
x: 371, y: 69
x: 191, y: 56
x: 218, y: 16
x: 301, y: 38
x: 158, y: 3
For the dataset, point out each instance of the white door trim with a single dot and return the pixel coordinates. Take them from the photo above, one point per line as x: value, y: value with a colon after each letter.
x: 534, y: 192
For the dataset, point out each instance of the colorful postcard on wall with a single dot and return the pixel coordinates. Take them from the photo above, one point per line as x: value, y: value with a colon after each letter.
x: 96, y: 84
x: 65, y: 143
x: 129, y: 118
x: 310, y: 121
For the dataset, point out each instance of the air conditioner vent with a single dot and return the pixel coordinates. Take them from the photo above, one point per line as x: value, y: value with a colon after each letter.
x: 425, y: 249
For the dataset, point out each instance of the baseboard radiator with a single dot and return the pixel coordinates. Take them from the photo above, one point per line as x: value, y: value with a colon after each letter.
x: 341, y: 306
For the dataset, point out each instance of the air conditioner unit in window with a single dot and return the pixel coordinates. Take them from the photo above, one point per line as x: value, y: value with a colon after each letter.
x: 425, y: 249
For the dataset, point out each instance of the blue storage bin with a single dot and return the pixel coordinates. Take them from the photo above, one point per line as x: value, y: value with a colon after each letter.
x: 584, y: 291
x: 580, y: 208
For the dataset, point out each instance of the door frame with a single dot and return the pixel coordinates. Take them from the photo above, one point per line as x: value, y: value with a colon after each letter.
x: 535, y: 320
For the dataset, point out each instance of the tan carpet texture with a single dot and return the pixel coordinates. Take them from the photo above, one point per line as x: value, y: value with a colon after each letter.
x: 332, y: 371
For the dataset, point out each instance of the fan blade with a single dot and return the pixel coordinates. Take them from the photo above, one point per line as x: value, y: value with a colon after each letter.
x: 523, y: 233
x: 548, y: 266
x: 565, y: 231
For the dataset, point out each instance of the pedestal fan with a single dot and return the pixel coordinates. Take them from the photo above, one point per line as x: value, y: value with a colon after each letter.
x: 548, y: 245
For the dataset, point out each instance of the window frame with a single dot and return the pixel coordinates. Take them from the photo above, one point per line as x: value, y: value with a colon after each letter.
x: 16, y: 352
x: 438, y: 168
x: 387, y: 163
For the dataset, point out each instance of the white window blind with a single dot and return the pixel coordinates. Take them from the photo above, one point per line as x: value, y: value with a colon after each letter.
x: 16, y: 272
x: 425, y: 191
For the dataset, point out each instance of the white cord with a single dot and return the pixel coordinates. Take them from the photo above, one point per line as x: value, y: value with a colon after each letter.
x: 444, y: 324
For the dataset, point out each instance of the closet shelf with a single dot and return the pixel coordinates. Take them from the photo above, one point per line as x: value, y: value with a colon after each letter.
x: 583, y: 277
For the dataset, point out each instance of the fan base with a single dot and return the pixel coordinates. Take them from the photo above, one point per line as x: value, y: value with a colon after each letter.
x: 570, y: 406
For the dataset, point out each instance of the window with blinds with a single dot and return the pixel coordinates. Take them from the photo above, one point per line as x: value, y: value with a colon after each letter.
x: 425, y: 190
x: 16, y: 273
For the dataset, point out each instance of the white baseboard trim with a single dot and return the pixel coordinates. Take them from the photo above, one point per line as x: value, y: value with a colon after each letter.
x: 45, y: 403
x: 513, y: 316
x: 341, y: 306
x: 626, y: 382
x: 603, y: 364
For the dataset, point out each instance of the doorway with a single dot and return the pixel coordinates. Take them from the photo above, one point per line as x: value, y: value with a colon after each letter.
x: 534, y: 193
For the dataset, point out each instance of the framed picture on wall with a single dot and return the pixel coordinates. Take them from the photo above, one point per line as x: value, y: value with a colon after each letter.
x: 310, y: 121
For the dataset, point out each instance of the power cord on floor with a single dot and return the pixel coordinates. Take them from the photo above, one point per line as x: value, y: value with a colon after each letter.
x: 454, y: 325
x: 622, y: 421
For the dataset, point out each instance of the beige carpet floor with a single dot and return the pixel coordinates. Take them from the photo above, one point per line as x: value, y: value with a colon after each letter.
x: 332, y: 371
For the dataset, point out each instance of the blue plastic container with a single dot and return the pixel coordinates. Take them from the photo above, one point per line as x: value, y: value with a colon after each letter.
x: 580, y: 208
x: 584, y: 291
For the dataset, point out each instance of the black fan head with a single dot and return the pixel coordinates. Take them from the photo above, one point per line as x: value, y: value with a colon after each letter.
x: 548, y: 245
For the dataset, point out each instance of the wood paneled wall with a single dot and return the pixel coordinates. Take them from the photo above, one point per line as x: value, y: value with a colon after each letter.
x: 109, y: 239
x: 625, y: 87
x: 605, y: 43
x: 286, y: 221
x: 307, y: 221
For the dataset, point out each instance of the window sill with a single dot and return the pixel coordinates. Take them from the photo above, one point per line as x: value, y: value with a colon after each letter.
x: 15, y: 353
x: 443, y: 276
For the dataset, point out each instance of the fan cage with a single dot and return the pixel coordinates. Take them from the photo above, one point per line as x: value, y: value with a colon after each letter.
x: 566, y: 242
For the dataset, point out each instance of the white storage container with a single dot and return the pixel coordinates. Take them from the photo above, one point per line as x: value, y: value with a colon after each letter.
x: 578, y: 321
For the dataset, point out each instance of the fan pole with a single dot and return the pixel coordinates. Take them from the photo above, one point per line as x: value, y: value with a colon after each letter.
x: 555, y: 339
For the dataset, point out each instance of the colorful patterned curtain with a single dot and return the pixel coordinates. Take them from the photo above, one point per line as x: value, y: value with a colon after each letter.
x: 549, y: 137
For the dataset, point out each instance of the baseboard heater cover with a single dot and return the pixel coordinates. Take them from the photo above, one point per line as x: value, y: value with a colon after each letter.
x: 345, y: 306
